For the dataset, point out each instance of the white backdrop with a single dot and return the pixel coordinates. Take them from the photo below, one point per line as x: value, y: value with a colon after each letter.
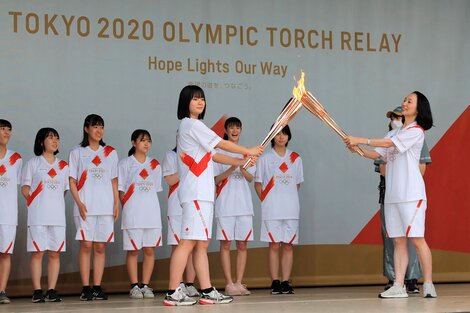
x: 54, y: 75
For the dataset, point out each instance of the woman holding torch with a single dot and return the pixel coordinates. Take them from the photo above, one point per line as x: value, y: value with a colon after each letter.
x: 405, y: 195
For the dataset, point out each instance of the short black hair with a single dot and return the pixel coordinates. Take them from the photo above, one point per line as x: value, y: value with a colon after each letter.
x: 138, y: 134
x: 232, y: 121
x: 41, y: 136
x: 91, y: 120
x: 186, y: 95
x: 424, y: 118
x: 5, y: 123
x: 285, y: 131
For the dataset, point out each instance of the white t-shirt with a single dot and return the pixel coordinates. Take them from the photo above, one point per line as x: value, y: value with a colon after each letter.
x: 140, y: 183
x: 47, y: 182
x: 10, y: 176
x: 279, y: 177
x: 195, y: 147
x: 170, y: 167
x: 94, y: 171
x: 402, y: 176
x: 233, y: 194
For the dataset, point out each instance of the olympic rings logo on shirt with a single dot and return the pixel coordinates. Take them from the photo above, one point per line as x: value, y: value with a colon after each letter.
x: 52, y: 186
x: 145, y: 188
x: 3, y: 183
x: 237, y: 176
x: 97, y: 175
x: 284, y: 181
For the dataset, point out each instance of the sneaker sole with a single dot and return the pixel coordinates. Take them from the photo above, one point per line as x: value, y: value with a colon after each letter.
x: 171, y: 303
x: 428, y: 296
x: 149, y: 296
x: 136, y: 297
x: 86, y: 299
x: 5, y: 302
x: 394, y: 297
x: 38, y: 301
x: 208, y: 302
x: 276, y: 292
x: 53, y: 300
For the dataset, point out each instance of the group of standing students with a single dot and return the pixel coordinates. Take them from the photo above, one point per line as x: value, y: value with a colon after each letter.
x: 100, y: 183
x: 201, y: 171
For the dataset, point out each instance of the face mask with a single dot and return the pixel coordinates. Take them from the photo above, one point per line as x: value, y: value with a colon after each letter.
x: 396, y: 124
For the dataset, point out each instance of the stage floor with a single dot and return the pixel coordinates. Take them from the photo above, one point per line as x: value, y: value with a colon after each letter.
x: 451, y: 298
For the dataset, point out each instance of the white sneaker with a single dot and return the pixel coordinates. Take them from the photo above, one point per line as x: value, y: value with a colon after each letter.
x: 429, y: 291
x: 135, y: 293
x: 147, y: 292
x: 214, y: 297
x: 396, y: 291
x: 191, y: 291
x: 178, y: 298
x: 183, y: 287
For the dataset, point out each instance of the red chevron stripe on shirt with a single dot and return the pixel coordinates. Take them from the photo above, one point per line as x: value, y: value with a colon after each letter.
x: 196, y: 168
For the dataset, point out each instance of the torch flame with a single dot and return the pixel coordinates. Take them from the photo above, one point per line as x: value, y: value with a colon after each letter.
x: 298, y: 91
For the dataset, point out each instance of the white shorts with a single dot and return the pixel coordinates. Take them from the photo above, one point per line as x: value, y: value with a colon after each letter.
x: 96, y: 228
x: 135, y: 239
x: 238, y: 228
x: 276, y: 231
x: 196, y: 223
x: 405, y: 219
x: 174, y: 230
x: 46, y: 237
x: 7, y: 238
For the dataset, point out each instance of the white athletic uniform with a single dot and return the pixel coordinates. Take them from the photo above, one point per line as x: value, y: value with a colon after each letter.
x: 195, y: 148
x: 405, y: 195
x: 10, y: 176
x: 46, y: 204
x: 94, y: 171
x: 141, y: 216
x: 279, y: 177
x: 233, y: 204
x: 175, y: 211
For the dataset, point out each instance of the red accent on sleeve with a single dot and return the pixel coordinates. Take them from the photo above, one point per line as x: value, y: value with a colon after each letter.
x: 293, y: 157
x: 417, y: 126
x: 107, y: 151
x: 62, y: 164
x: 153, y: 164
x: 14, y: 157
x: 34, y: 194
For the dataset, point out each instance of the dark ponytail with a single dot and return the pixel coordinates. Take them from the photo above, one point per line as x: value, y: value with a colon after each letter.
x: 136, y: 135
